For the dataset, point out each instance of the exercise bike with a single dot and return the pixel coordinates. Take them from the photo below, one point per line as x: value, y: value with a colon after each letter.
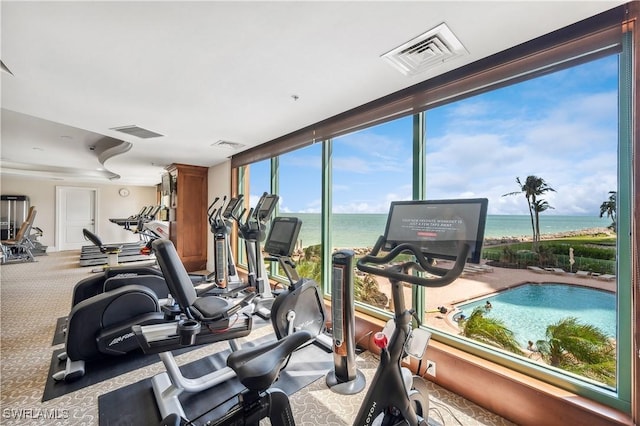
x: 101, y: 325
x: 300, y: 306
x: 257, y: 369
x: 426, y: 230
x: 256, y: 375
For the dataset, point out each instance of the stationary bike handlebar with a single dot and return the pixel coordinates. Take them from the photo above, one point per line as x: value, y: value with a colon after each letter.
x: 402, y: 272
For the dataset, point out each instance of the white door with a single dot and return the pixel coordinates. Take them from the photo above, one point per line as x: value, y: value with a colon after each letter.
x: 76, y: 209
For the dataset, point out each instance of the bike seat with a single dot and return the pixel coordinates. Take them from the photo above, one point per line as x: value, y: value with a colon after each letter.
x: 257, y: 368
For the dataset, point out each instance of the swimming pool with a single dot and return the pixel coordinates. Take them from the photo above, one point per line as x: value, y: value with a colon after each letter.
x: 528, y: 309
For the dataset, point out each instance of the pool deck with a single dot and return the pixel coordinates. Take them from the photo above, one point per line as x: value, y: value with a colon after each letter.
x: 484, y: 281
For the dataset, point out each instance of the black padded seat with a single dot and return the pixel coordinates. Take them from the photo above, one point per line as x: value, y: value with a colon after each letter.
x: 209, y: 307
x: 257, y: 368
x: 206, y: 308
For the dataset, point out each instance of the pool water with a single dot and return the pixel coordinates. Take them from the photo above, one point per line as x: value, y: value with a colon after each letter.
x: 528, y: 309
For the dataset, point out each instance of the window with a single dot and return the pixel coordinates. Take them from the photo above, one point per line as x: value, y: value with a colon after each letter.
x: 254, y: 180
x: 556, y: 110
x: 547, y: 145
x: 259, y: 178
x: 300, y: 191
x: 371, y: 168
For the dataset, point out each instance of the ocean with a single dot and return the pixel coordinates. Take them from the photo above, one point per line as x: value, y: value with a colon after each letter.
x: 362, y: 230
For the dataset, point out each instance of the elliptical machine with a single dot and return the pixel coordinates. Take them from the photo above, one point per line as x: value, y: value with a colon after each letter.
x: 252, y: 229
x: 225, y: 274
x: 428, y: 230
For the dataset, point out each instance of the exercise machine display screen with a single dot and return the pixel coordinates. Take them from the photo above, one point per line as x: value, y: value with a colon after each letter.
x: 283, y: 236
x: 438, y: 227
x: 267, y: 206
x: 232, y: 207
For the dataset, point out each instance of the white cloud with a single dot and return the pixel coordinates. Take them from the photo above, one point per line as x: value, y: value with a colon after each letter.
x: 560, y: 127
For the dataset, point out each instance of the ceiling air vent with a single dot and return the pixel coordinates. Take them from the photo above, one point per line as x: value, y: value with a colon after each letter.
x: 228, y: 145
x: 426, y: 51
x: 137, y: 131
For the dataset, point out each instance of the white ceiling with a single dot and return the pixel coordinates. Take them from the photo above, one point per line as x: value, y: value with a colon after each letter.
x: 200, y: 72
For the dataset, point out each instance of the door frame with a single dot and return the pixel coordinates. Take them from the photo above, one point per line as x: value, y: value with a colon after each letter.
x: 60, y: 226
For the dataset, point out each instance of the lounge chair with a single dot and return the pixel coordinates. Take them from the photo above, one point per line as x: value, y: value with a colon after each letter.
x: 582, y: 274
x: 606, y: 277
x: 537, y: 269
x: 557, y: 271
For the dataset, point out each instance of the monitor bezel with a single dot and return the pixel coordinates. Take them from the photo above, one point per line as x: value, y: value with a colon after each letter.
x: 264, y: 213
x: 232, y: 207
x: 475, y: 251
x: 275, y: 249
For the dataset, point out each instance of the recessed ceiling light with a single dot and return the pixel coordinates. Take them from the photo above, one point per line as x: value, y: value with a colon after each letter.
x: 37, y: 148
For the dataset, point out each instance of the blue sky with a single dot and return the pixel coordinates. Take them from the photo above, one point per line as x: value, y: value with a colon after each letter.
x: 561, y: 127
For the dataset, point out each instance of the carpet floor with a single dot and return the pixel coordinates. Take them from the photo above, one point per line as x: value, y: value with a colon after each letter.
x: 34, y: 295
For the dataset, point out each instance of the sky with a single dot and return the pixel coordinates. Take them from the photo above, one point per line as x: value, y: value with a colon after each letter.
x: 561, y: 127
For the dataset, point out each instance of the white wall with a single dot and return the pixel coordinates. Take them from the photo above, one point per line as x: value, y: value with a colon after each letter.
x: 218, y: 185
x: 42, y: 194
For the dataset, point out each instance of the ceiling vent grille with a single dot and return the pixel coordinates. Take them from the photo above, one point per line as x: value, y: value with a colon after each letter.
x: 426, y: 51
x: 228, y: 145
x: 137, y: 131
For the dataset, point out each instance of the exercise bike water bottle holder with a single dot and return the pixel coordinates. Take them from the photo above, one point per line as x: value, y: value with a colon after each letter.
x: 187, y: 330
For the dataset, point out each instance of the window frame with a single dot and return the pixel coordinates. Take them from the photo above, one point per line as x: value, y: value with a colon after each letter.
x: 604, y: 34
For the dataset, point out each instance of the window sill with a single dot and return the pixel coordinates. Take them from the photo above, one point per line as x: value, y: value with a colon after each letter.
x: 507, y: 393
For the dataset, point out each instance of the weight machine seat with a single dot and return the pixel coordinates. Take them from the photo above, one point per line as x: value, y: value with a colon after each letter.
x: 257, y: 368
x: 206, y: 308
x: 21, y: 241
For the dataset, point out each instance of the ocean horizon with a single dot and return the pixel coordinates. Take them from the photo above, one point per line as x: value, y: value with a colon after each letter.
x: 362, y: 230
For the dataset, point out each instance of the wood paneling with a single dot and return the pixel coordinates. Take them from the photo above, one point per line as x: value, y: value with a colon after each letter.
x: 188, y: 224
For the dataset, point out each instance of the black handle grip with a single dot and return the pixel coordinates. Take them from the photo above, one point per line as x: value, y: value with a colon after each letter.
x: 402, y: 272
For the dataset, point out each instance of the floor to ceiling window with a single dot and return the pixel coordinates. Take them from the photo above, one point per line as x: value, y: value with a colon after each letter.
x: 545, y: 154
x: 552, y: 152
x: 300, y: 190
x: 254, y: 180
x: 258, y: 178
x: 371, y: 168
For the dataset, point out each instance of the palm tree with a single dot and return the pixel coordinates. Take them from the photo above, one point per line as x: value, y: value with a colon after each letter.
x: 489, y: 330
x: 538, y: 207
x: 609, y: 207
x: 580, y: 348
x: 532, y: 188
